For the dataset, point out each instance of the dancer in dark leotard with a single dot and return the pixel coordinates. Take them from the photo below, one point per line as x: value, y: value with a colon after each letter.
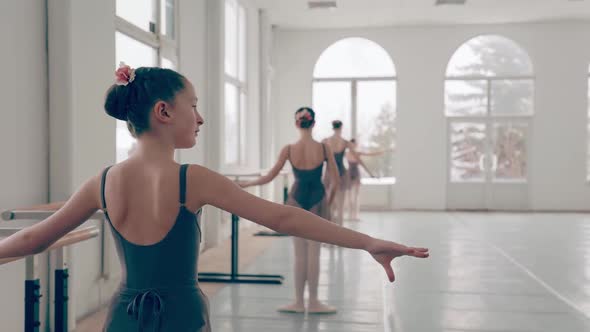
x: 339, y: 145
x: 353, y: 157
x: 156, y: 231
x: 308, y: 189
x: 307, y: 158
x: 158, y: 293
x: 339, y: 158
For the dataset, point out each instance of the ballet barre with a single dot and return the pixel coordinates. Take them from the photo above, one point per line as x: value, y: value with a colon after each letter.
x: 39, y: 213
x: 33, y: 284
x: 44, y: 211
x: 235, y: 276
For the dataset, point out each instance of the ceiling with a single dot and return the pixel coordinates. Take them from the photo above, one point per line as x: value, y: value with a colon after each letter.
x: 371, y: 13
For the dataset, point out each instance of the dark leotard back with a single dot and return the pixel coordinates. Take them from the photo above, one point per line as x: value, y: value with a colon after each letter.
x: 308, y: 189
x: 159, y: 290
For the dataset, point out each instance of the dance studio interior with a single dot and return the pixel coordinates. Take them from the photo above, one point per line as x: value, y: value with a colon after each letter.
x: 316, y: 141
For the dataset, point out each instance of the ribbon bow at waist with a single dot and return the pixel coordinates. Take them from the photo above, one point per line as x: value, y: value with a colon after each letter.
x: 137, y: 308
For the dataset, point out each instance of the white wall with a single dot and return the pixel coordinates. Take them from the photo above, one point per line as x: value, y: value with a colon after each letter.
x: 23, y: 89
x: 23, y: 128
x: 23, y: 132
x: 560, y: 55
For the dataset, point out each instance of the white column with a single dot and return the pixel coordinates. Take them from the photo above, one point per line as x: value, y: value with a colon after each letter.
x: 192, y: 38
x: 214, y: 106
x: 267, y: 157
x: 81, y: 36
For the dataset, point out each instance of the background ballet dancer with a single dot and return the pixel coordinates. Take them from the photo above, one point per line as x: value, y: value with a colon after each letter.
x: 353, y: 157
x: 307, y: 158
x: 339, y: 146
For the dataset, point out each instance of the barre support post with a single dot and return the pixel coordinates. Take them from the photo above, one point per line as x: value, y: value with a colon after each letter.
x: 32, y: 295
x: 234, y: 276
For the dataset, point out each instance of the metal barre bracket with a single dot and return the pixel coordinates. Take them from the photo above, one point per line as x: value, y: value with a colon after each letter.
x: 7, y: 215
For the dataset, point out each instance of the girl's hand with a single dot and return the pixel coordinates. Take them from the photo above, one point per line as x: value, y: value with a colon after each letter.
x: 385, y: 251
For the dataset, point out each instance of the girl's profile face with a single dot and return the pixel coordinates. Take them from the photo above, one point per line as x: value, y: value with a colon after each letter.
x: 187, y: 120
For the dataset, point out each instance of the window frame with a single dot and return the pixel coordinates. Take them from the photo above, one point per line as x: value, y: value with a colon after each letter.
x: 165, y: 46
x: 353, y: 81
x: 239, y: 83
x: 490, y: 119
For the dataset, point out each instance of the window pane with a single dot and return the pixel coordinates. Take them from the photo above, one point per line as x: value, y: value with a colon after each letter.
x: 512, y: 97
x: 231, y: 38
x: 331, y: 101
x: 137, y: 12
x: 167, y: 17
x: 242, y: 43
x: 376, y: 113
x: 243, y: 126
x: 490, y: 55
x: 509, y: 160
x: 466, y: 98
x: 124, y: 141
x: 135, y: 54
x: 231, y: 132
x: 354, y: 57
x: 467, y: 151
x: 167, y: 63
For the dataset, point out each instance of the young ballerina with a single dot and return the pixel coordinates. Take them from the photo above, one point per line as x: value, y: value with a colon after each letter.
x: 353, y: 157
x: 307, y: 158
x: 339, y: 146
x: 153, y: 205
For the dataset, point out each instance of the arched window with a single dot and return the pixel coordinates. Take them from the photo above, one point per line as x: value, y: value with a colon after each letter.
x: 489, y: 89
x: 354, y: 80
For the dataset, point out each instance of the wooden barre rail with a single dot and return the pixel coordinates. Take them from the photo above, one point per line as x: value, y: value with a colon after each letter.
x: 251, y: 174
x: 12, y: 214
x: 44, y: 207
x: 38, y: 212
x: 72, y: 237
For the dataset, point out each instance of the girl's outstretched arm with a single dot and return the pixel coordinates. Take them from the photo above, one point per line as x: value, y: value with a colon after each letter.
x: 226, y: 195
x: 37, y: 238
x: 274, y: 171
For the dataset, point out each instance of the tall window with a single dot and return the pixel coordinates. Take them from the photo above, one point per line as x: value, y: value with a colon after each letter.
x: 489, y: 91
x: 235, y: 84
x: 354, y: 81
x: 145, y: 36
